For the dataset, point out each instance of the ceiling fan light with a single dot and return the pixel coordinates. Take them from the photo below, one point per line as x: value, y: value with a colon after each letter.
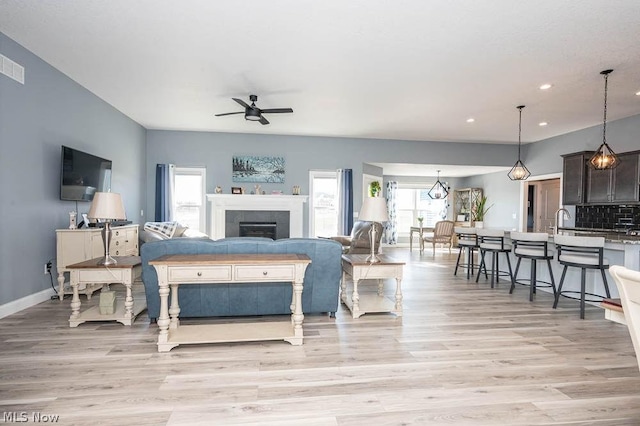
x: 252, y: 115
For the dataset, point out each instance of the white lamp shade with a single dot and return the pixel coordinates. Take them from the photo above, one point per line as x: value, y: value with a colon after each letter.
x: 374, y: 209
x: 107, y: 206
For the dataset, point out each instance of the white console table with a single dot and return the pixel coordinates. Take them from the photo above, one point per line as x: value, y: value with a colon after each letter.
x: 78, y: 245
x: 176, y: 270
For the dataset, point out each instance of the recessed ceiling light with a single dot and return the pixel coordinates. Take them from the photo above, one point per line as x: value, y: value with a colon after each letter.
x: 545, y: 86
x: 637, y: 93
x: 471, y: 120
x: 542, y: 123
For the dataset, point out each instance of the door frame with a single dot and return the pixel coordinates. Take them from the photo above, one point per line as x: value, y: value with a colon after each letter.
x: 524, y: 195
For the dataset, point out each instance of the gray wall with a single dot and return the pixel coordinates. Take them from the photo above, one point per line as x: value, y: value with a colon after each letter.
x: 544, y: 157
x: 52, y: 110
x: 36, y: 118
x: 304, y: 153
x: 504, y: 197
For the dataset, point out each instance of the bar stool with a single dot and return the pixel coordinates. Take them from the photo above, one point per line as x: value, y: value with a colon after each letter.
x: 468, y: 243
x: 532, y: 246
x: 584, y: 253
x: 492, y: 240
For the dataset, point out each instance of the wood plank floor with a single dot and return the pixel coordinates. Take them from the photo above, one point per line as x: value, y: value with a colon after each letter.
x: 463, y: 354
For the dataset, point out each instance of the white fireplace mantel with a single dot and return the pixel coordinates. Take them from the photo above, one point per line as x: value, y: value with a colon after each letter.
x: 220, y: 203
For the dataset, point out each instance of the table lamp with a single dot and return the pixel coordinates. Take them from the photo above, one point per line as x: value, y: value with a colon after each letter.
x: 107, y: 207
x: 374, y: 210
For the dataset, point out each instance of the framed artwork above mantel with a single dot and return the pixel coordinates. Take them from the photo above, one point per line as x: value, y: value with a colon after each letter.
x: 253, y: 168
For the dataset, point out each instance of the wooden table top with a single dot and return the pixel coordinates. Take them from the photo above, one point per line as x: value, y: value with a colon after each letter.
x: 236, y: 259
x: 123, y: 262
x: 361, y: 259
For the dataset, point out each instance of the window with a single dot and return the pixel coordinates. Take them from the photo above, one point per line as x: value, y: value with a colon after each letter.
x: 189, y: 197
x: 323, y: 203
x: 413, y: 201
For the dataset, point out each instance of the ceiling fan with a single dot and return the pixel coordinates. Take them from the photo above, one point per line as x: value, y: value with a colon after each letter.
x: 252, y: 112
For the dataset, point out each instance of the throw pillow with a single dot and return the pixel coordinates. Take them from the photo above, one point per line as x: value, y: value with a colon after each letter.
x: 166, y: 229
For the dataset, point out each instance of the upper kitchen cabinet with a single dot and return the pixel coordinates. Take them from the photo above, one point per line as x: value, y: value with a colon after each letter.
x: 574, y: 173
x: 619, y: 185
x: 625, y: 182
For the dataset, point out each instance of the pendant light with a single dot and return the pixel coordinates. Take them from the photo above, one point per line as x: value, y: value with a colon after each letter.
x: 438, y: 190
x: 519, y: 171
x: 604, y: 158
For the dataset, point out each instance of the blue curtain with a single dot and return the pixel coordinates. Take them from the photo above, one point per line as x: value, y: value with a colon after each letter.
x: 164, y: 192
x: 345, y: 198
x: 392, y: 210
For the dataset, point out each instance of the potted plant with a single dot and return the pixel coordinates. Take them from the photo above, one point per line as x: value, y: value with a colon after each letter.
x: 420, y: 219
x: 479, y: 211
x: 374, y: 188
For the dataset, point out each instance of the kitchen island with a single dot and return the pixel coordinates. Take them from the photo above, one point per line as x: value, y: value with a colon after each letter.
x: 619, y: 249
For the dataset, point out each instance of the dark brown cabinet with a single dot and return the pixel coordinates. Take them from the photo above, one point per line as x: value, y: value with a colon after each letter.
x: 574, y: 173
x: 619, y: 185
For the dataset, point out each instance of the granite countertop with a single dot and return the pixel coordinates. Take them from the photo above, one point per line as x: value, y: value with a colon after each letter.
x: 610, y: 235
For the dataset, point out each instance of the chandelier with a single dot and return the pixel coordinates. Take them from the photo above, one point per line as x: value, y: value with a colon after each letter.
x: 519, y: 171
x: 438, y: 190
x: 604, y: 158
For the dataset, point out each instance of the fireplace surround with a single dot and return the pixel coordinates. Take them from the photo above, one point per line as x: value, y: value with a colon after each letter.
x: 220, y: 204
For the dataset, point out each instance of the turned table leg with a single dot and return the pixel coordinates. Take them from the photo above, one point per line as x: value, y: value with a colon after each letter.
x: 75, y: 301
x: 60, y: 285
x: 355, y: 300
x: 398, y: 307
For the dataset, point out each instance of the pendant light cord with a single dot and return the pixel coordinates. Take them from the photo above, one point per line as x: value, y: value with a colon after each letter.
x: 604, y: 121
x: 519, y: 130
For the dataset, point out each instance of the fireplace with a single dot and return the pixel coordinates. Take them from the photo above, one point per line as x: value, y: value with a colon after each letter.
x: 267, y: 223
x: 258, y: 229
x: 228, y: 210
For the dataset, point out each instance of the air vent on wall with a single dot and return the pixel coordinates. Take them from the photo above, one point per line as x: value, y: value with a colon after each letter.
x: 11, y: 69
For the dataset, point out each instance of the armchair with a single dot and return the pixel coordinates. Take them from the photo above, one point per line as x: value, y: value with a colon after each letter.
x: 359, y: 242
x: 442, y: 234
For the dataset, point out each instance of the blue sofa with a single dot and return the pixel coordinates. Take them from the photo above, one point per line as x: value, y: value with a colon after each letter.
x: 321, y: 281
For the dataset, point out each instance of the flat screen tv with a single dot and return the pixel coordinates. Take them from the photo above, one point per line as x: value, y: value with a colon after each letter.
x: 82, y: 175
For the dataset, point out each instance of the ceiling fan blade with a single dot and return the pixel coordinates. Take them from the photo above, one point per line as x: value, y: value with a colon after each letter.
x: 264, y: 120
x: 229, y: 113
x: 241, y: 102
x: 274, y: 110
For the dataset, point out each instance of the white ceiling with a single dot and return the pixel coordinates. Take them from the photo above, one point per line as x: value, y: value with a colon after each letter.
x: 413, y: 70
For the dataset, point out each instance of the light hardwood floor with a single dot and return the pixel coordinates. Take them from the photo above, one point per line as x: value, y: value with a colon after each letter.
x: 462, y: 354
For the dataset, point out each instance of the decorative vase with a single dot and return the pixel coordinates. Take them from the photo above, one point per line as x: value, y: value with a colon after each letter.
x: 478, y: 224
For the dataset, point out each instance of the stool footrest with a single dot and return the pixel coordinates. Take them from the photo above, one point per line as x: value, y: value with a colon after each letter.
x: 527, y: 282
x: 600, y: 297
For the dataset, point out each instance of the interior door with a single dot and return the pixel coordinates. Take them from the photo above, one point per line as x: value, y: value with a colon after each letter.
x: 547, y: 203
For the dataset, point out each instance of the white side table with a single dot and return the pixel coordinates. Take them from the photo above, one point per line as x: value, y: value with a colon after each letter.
x: 356, y: 266
x: 124, y: 272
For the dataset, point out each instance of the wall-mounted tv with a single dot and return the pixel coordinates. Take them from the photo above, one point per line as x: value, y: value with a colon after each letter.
x: 82, y: 175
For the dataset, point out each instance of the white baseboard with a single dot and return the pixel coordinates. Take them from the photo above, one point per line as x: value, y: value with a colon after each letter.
x: 26, y: 302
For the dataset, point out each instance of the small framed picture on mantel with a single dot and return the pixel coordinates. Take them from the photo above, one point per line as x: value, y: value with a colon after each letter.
x: 236, y: 190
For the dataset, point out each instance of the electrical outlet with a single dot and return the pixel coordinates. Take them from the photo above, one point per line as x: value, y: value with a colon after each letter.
x: 47, y: 268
